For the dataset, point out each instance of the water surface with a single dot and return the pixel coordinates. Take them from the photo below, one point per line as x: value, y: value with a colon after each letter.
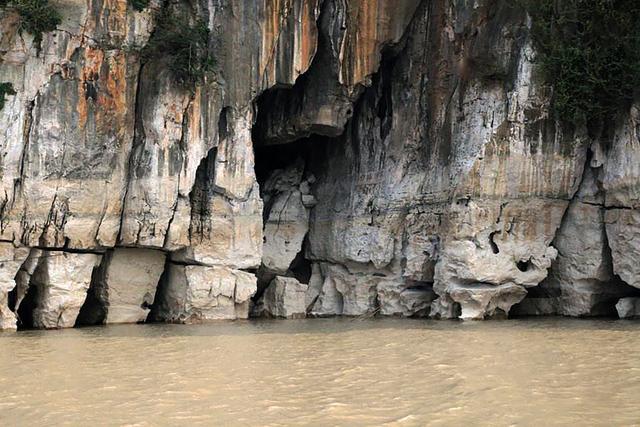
x: 325, y: 372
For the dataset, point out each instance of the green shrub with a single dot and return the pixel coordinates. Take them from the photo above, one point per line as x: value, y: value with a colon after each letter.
x: 6, y: 88
x: 590, y: 51
x: 184, y: 46
x: 36, y: 17
x: 139, y: 5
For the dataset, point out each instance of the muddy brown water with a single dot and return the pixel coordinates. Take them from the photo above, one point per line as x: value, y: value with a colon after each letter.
x: 325, y: 372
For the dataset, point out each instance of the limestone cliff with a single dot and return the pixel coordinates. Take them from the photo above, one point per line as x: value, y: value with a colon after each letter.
x: 338, y: 157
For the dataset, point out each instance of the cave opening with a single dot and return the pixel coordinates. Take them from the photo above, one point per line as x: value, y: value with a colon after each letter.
x: 286, y: 174
x: 523, y: 265
x: 162, y: 295
x: 26, y: 308
x: 492, y: 242
x: 201, y: 194
x: 300, y: 267
x: 12, y: 298
x: 94, y: 309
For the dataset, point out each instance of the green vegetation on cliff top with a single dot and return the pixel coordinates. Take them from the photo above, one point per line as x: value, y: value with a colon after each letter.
x: 36, y: 17
x: 590, y: 51
x: 184, y: 45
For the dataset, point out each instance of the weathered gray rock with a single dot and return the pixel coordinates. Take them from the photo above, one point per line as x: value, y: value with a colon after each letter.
x: 61, y: 281
x: 581, y: 280
x: 23, y: 277
x: 11, y: 258
x: 628, y: 308
x: 481, y: 301
x: 195, y: 293
x: 334, y: 290
x: 287, y: 222
x: 429, y: 166
x: 284, y: 297
x: 125, y: 286
x: 621, y: 183
x: 398, y: 299
x: 623, y: 233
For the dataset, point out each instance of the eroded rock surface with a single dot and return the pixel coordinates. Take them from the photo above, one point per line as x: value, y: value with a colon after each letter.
x: 194, y: 293
x: 351, y: 158
x: 287, y: 205
x: 58, y: 288
x: 628, y: 308
x: 284, y: 297
x: 124, y: 287
x: 12, y: 259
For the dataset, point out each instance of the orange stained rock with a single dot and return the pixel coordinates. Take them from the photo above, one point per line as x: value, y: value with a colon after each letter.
x: 300, y: 40
x: 359, y: 48
x: 112, y: 18
x: 89, y: 75
x: 371, y: 24
x: 307, y: 37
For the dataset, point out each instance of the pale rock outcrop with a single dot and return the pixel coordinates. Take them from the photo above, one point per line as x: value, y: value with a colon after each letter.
x: 193, y: 293
x: 623, y: 232
x: 400, y: 299
x: 225, y: 218
x: 621, y: 182
x: 60, y: 283
x: 628, y: 308
x: 479, y: 301
x: 581, y: 280
x: 596, y: 241
x: 284, y: 297
x: 431, y: 167
x: 324, y: 299
x: 23, y: 277
x: 126, y: 283
x: 102, y: 150
x: 506, y: 246
x: 314, y: 288
x: 469, y: 198
x: 287, y: 202
x: 338, y: 290
x: 69, y: 128
x: 358, y: 292
x: 11, y: 258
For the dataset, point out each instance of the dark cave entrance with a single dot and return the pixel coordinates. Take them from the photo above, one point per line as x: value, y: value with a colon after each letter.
x: 94, y: 309
x: 279, y: 160
x: 26, y: 308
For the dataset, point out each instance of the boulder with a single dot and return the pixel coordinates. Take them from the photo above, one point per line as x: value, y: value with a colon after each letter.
x: 628, y: 308
x: 11, y: 260
x: 482, y: 301
x: 125, y: 286
x: 58, y: 288
x: 285, y: 297
x: 194, y: 293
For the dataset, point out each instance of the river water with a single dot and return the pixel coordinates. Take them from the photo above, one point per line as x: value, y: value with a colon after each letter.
x: 325, y: 372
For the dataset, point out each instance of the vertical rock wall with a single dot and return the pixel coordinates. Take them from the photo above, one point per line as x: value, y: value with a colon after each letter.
x: 383, y: 157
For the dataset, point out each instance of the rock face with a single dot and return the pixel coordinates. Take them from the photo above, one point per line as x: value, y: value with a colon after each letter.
x: 628, y: 308
x: 58, y: 288
x: 124, y: 286
x: 12, y: 259
x: 287, y: 205
x: 196, y: 293
x: 386, y: 157
x: 284, y: 297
